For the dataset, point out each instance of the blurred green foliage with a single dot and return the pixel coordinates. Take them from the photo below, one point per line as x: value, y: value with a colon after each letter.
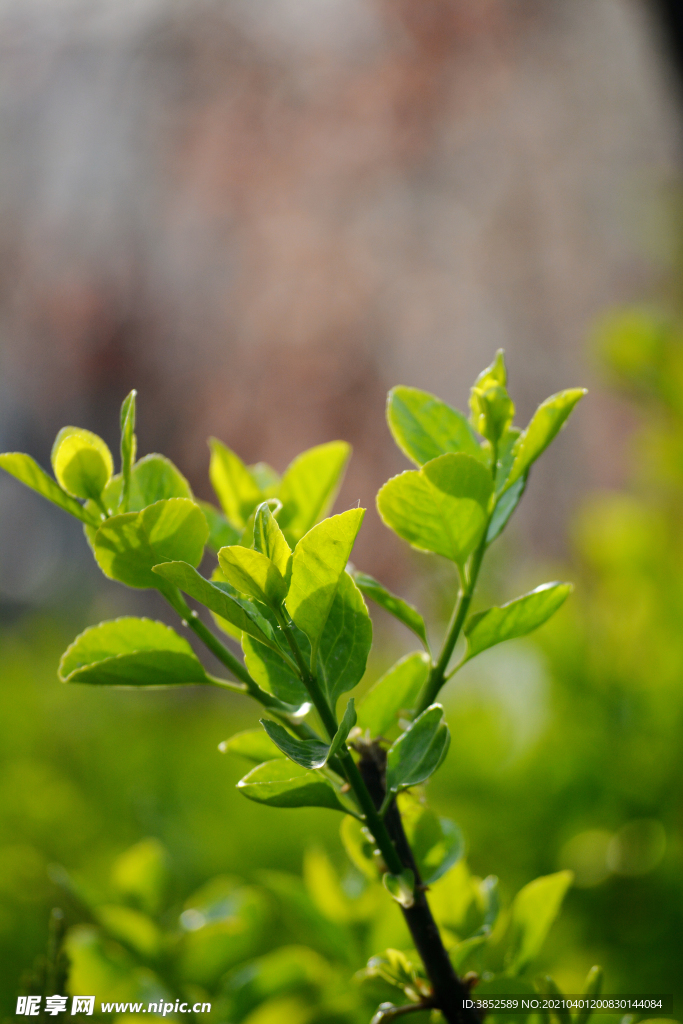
x: 568, y: 755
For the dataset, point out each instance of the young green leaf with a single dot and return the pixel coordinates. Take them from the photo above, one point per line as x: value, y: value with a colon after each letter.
x: 236, y: 488
x: 218, y: 598
x: 154, y: 478
x: 252, y: 574
x: 318, y: 562
x: 505, y: 506
x: 273, y: 673
x: 514, y: 619
x: 131, y: 652
x: 306, y: 753
x: 401, y: 610
x: 591, y: 987
x: 424, y: 427
x: 309, y: 486
x: 345, y: 641
x: 418, y: 752
x: 395, y: 693
x: 266, y: 479
x: 401, y: 887
x: 545, y: 424
x: 441, y: 508
x: 345, y: 726
x: 252, y: 744
x: 281, y: 783
x: 492, y: 409
x: 128, y: 546
x: 359, y: 847
x: 221, y: 532
x: 270, y: 541
x: 81, y: 462
x: 534, y: 909
x: 28, y: 472
x: 128, y: 448
x: 437, y: 843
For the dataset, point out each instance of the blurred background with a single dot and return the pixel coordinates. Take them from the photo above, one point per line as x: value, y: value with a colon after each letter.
x: 262, y: 215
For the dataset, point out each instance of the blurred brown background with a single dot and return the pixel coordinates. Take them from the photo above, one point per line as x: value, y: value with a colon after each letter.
x: 264, y: 213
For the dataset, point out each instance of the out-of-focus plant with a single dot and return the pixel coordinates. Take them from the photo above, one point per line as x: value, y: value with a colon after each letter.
x: 284, y: 589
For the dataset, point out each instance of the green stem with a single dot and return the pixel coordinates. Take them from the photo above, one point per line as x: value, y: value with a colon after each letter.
x: 437, y: 676
x: 353, y: 776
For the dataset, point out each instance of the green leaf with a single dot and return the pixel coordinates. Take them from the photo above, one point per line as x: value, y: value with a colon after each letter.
x: 345, y: 726
x: 131, y: 652
x: 514, y: 619
x: 252, y: 574
x: 360, y: 847
x: 218, y: 598
x: 492, y: 409
x: 318, y: 562
x: 437, y: 843
x: 545, y: 424
x: 441, y: 508
x: 534, y: 909
x: 140, y: 874
x: 28, y: 472
x: 253, y: 744
x: 129, y: 445
x: 345, y: 641
x: 81, y: 462
x: 266, y: 479
x: 309, y: 486
x: 591, y: 987
x: 401, y: 887
x: 307, y: 753
x: 128, y: 546
x: 269, y: 540
x: 155, y: 478
x: 424, y: 427
x: 269, y: 669
x: 418, y: 752
x: 505, y: 506
x: 394, y: 694
x: 400, y: 609
x: 221, y: 532
x: 281, y: 783
x: 236, y: 488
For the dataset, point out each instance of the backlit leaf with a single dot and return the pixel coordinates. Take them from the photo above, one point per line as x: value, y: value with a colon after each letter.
x: 221, y: 532
x: 514, y: 619
x: 437, y: 843
x: 309, y: 486
x: 270, y: 541
x: 395, y: 693
x: 81, y: 462
x: 424, y: 427
x: 236, y: 489
x: 129, y: 446
x: 545, y: 424
x: 253, y: 574
x: 219, y: 598
x: 131, y: 652
x: 318, y: 562
x: 273, y: 673
x: 441, y: 508
x: 128, y: 546
x: 534, y: 909
x: 28, y: 472
x: 345, y: 641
